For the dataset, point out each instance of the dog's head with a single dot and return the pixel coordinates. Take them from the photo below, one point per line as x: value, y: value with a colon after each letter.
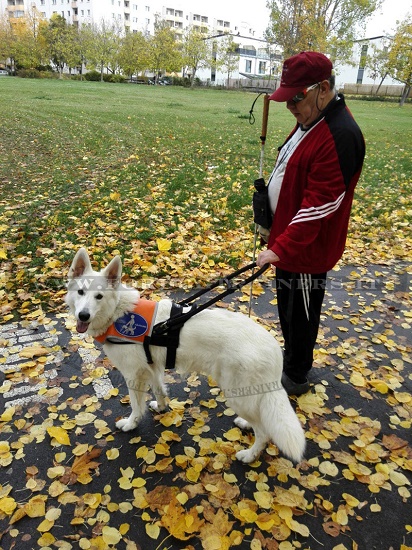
x: 92, y: 296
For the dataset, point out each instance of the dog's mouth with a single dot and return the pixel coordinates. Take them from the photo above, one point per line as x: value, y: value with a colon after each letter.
x: 81, y: 326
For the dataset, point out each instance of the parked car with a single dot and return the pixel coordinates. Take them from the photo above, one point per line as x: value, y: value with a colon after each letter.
x: 3, y: 72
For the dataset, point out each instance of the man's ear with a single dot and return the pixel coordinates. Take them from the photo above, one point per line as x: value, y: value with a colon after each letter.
x: 113, y: 272
x: 81, y: 264
x: 324, y: 87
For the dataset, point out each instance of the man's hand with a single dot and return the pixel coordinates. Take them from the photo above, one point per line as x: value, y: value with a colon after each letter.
x: 267, y: 257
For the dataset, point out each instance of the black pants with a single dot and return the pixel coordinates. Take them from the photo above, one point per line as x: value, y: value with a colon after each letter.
x: 300, y: 298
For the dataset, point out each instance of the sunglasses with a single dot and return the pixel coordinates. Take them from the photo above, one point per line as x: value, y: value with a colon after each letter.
x: 301, y: 95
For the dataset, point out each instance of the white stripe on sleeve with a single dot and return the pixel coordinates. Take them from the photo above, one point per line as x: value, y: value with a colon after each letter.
x: 315, y: 213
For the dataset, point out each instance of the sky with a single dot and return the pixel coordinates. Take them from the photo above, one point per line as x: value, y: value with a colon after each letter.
x: 384, y: 21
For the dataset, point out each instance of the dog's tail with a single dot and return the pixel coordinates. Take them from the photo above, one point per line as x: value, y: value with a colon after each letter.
x: 285, y: 429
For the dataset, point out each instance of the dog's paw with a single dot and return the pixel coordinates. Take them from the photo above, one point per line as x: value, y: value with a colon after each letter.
x: 127, y: 424
x: 246, y: 456
x: 242, y: 423
x: 157, y: 407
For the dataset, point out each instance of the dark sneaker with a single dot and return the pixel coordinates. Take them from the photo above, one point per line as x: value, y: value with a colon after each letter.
x: 293, y: 388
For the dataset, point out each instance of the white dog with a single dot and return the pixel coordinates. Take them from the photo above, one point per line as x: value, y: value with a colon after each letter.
x: 240, y: 355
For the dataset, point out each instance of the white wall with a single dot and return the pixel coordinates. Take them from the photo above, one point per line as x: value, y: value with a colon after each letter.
x: 348, y: 74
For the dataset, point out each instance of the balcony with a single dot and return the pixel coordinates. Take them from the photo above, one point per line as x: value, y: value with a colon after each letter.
x: 17, y: 4
x: 246, y: 51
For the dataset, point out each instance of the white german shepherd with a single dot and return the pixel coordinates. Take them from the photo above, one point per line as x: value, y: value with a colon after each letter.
x: 240, y: 355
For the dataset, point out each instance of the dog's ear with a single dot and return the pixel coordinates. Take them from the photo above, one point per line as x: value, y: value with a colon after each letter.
x: 113, y: 272
x: 80, y: 264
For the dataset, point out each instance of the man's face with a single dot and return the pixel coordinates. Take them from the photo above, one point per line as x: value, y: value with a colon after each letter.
x: 306, y: 110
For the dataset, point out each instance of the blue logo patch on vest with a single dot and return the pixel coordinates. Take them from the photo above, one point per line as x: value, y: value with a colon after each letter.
x: 131, y: 325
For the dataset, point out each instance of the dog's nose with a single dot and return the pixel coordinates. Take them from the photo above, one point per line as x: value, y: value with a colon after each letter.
x: 84, y: 316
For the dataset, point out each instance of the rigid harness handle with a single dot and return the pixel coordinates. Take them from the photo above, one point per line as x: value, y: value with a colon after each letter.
x: 180, y: 319
x: 225, y: 281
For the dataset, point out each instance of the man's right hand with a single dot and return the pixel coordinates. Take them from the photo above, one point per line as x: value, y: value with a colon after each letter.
x: 267, y: 257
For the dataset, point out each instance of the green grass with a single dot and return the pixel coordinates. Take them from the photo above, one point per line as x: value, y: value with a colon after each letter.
x: 114, y: 167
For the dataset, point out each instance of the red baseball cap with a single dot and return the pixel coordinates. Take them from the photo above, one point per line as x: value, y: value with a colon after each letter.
x: 300, y: 71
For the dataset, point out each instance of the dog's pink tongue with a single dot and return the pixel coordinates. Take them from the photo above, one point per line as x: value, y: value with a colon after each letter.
x: 81, y: 327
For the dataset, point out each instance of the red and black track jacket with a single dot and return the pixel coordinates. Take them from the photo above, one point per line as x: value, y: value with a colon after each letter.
x: 310, y: 222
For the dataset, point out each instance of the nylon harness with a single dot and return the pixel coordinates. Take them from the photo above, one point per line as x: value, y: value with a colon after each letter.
x: 137, y: 327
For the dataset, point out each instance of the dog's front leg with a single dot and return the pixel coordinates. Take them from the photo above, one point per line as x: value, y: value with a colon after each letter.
x: 137, y: 394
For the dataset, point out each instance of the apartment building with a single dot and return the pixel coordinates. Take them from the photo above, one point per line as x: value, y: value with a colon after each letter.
x: 134, y: 15
x: 130, y: 14
x: 141, y: 15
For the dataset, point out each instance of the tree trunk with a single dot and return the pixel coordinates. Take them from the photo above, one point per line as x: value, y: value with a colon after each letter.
x: 405, y: 94
x: 192, y: 79
x: 380, y: 83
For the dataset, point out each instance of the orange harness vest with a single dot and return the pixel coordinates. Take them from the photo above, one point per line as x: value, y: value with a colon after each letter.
x: 132, y: 327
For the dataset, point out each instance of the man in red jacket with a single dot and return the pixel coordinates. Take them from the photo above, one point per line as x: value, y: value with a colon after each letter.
x: 310, y: 192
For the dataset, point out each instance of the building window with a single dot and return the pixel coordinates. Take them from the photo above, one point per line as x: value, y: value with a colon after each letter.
x: 248, y: 68
x: 362, y: 64
x: 262, y: 67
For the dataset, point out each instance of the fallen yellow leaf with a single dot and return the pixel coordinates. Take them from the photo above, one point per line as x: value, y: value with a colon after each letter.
x: 59, y: 434
x: 152, y: 530
x: 111, y: 535
x: 163, y: 245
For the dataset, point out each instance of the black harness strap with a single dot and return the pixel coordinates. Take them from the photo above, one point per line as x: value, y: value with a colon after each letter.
x: 169, y: 339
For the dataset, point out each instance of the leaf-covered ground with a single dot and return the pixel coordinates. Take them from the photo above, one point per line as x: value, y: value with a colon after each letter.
x: 71, y: 480
x: 164, y: 176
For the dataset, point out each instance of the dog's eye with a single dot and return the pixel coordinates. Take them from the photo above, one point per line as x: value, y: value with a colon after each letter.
x: 99, y: 296
x: 80, y: 292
